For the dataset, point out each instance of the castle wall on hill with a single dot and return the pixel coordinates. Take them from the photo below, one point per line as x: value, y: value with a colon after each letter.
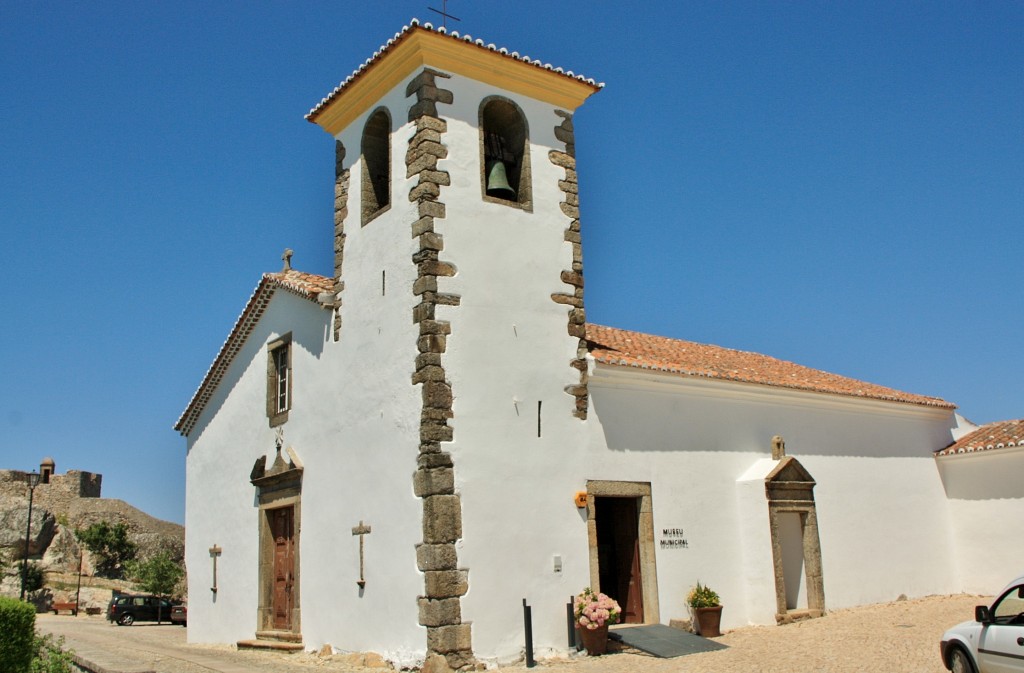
x: 58, y: 494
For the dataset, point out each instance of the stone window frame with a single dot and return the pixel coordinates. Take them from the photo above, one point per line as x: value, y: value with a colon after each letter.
x: 276, y: 349
x: 375, y: 165
x: 641, y: 490
x: 522, y: 178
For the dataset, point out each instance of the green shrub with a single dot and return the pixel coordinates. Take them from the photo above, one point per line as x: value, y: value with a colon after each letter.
x: 33, y: 574
x: 50, y: 656
x: 17, y: 635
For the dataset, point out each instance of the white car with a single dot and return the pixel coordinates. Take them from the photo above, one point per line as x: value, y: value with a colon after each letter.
x: 994, y: 641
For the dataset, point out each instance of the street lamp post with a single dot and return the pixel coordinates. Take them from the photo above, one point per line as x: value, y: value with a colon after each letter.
x: 33, y: 480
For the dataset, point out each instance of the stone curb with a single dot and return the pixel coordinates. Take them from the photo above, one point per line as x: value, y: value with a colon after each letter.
x: 91, y: 667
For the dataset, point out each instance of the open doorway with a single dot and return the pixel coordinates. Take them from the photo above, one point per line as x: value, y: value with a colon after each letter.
x: 618, y: 555
x: 620, y: 528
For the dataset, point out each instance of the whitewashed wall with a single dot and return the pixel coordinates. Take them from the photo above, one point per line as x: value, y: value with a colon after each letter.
x: 355, y: 425
x: 509, y: 349
x: 871, y: 461
x: 231, y: 433
x: 368, y: 433
x: 986, y: 505
x: 693, y: 439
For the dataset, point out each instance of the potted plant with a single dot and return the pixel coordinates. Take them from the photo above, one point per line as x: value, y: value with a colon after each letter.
x: 707, y: 610
x: 594, y: 612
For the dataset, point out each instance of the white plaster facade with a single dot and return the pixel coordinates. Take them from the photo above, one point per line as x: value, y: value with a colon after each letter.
x: 890, y: 522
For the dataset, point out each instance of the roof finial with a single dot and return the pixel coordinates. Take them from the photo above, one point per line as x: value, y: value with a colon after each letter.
x: 444, y: 14
x: 287, y: 258
x: 778, y: 447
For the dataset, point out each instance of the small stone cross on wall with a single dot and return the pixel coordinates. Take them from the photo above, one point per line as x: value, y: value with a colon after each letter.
x: 214, y: 553
x: 362, y: 531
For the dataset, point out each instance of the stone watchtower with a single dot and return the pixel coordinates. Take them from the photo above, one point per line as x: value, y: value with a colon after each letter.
x: 456, y: 189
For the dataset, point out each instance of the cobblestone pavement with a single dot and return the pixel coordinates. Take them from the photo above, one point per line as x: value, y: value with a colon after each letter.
x: 898, y: 637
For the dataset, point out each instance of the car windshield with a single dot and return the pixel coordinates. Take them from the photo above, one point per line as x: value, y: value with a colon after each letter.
x: 1010, y: 608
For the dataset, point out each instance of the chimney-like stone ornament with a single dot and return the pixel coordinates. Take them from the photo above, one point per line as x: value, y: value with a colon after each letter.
x: 287, y: 259
x: 778, y: 447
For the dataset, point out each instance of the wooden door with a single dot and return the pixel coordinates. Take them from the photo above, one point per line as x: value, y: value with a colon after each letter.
x: 281, y: 530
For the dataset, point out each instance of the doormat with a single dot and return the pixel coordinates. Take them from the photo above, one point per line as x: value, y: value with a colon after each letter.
x: 664, y: 641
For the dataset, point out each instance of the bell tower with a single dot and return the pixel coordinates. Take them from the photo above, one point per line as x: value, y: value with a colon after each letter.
x: 456, y: 198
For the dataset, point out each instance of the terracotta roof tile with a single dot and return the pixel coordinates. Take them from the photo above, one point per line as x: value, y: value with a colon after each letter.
x: 612, y: 346
x: 306, y: 285
x: 999, y: 435
x: 415, y: 25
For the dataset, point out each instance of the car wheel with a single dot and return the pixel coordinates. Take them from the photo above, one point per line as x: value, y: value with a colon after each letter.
x: 126, y: 620
x: 959, y: 662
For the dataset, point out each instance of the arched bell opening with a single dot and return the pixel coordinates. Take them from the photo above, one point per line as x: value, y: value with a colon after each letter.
x: 504, y: 153
x: 375, y: 157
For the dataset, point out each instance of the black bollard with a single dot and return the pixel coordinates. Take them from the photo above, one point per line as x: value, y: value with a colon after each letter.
x: 570, y: 623
x: 528, y: 623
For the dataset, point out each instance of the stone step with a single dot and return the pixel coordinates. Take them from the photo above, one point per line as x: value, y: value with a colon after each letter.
x: 276, y: 641
x: 284, y: 636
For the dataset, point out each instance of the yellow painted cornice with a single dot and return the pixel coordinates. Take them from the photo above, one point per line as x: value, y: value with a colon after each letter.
x: 421, y: 47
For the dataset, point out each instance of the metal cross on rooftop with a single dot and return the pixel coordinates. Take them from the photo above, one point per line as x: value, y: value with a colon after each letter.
x: 444, y: 14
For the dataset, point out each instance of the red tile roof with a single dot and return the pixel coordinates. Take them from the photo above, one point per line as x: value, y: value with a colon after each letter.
x: 612, y: 346
x: 1000, y: 435
x: 306, y: 285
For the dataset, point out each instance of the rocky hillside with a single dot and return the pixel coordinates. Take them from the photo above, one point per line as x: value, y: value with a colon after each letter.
x: 55, y: 517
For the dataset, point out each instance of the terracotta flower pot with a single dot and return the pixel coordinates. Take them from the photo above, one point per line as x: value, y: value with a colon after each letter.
x: 708, y: 621
x: 595, y: 640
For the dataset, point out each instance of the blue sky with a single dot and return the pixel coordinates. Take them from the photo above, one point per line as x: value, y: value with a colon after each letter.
x: 837, y: 184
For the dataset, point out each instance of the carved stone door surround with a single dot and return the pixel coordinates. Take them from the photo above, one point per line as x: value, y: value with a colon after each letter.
x: 790, y: 490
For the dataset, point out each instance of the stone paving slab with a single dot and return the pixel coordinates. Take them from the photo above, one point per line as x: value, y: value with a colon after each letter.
x: 901, y: 636
x: 100, y: 647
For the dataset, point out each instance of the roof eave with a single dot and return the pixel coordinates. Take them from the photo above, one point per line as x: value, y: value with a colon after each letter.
x: 243, y: 327
x: 420, y: 46
x: 694, y: 375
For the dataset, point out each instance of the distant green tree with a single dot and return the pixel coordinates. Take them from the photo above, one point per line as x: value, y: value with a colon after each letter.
x: 111, y: 545
x: 158, y: 575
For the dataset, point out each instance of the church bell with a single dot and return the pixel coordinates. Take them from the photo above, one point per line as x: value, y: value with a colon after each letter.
x: 497, y: 181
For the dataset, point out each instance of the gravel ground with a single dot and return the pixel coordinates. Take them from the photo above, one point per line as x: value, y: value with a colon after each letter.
x: 899, y: 637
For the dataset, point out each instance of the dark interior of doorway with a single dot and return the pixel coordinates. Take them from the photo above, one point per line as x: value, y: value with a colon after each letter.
x: 618, y: 554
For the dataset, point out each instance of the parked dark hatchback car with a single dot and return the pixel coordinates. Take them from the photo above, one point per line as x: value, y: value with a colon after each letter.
x: 127, y: 609
x: 179, y: 614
